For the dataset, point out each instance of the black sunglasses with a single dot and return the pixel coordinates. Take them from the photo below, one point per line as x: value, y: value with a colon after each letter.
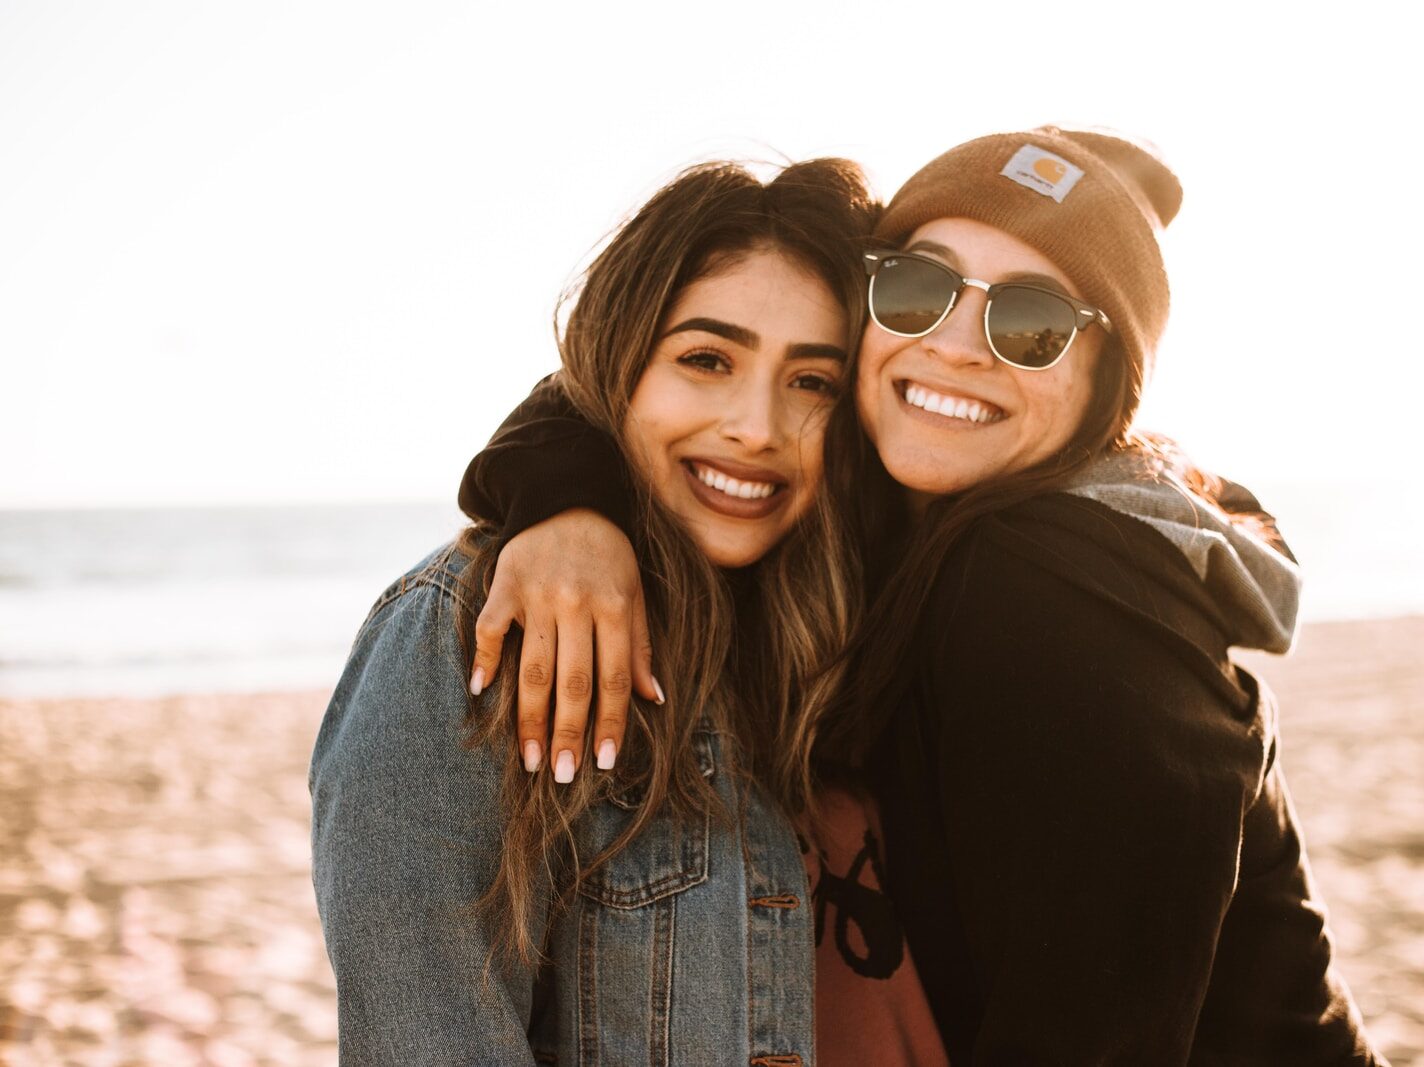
x: 1027, y: 326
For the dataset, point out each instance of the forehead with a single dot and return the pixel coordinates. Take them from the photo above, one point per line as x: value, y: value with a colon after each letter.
x: 984, y: 251
x: 766, y: 291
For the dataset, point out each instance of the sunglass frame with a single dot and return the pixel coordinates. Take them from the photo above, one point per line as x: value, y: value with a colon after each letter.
x: 1085, y: 314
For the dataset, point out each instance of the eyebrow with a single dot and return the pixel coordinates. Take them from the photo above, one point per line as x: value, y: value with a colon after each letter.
x: 1029, y: 277
x: 740, y: 335
x: 945, y: 253
x: 1038, y: 279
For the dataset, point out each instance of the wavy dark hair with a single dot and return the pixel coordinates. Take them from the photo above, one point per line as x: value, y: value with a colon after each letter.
x: 759, y: 667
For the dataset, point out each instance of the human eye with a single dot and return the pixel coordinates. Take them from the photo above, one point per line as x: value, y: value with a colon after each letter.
x: 816, y: 383
x: 704, y: 360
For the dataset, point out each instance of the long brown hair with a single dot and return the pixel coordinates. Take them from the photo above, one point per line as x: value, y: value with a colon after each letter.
x: 763, y: 676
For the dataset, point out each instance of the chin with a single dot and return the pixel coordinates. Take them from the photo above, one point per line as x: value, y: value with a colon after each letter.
x: 921, y: 473
x: 733, y: 548
x: 731, y: 557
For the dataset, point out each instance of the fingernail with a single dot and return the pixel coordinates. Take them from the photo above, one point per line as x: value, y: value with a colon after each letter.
x: 607, y: 753
x: 477, y: 681
x: 531, y: 756
x: 564, y: 768
x: 658, y: 689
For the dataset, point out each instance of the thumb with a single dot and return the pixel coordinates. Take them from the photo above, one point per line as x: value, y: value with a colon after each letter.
x: 491, y: 626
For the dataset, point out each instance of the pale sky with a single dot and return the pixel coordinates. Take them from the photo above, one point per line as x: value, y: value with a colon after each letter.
x: 309, y: 251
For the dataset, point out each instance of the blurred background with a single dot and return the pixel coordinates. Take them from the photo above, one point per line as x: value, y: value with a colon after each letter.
x: 271, y: 272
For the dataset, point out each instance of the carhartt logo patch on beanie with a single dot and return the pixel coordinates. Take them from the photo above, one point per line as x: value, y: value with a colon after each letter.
x: 1043, y: 172
x: 1091, y: 202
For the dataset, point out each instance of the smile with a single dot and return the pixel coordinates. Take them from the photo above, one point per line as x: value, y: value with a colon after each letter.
x: 947, y: 406
x: 732, y: 486
x: 742, y: 498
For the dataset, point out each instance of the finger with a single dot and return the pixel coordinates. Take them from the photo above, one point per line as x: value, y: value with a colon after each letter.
x: 491, y: 626
x: 613, y: 645
x: 573, y: 691
x: 536, y: 675
x: 642, y: 651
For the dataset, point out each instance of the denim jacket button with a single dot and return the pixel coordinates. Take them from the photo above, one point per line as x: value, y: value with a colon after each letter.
x: 780, y: 900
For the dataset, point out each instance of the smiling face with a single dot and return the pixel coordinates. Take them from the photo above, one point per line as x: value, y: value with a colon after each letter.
x: 728, y: 417
x: 942, y: 411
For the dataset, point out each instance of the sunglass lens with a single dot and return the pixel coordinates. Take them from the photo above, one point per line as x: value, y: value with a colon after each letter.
x: 1030, y: 328
x: 909, y: 295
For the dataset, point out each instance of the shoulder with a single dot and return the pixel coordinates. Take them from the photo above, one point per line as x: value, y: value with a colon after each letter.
x: 403, y: 688
x: 1071, y: 554
x: 1067, y: 589
x: 436, y: 581
x: 1041, y: 660
x: 1107, y: 553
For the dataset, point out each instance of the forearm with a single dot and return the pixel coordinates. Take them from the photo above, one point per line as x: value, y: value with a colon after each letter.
x: 1299, y: 1006
x: 546, y: 459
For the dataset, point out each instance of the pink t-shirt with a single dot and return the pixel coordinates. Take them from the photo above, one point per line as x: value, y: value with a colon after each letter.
x: 870, y: 1006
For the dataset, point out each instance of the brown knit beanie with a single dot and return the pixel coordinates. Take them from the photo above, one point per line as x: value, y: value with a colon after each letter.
x: 1090, y: 202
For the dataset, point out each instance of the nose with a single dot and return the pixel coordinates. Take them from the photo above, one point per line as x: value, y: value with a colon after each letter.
x: 754, y: 417
x: 960, y: 339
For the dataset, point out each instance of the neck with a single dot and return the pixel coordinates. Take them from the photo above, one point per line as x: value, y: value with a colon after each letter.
x: 917, y: 501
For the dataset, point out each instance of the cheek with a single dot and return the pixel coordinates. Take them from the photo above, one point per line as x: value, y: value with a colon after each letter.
x: 1060, y: 403
x: 813, y: 459
x: 1082, y: 382
x: 649, y: 427
x: 868, y: 385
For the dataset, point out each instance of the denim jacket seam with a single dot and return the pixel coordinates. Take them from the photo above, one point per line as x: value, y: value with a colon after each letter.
x: 435, y: 574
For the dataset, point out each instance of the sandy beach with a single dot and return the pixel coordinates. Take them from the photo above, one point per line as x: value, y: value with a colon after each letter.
x: 156, y: 903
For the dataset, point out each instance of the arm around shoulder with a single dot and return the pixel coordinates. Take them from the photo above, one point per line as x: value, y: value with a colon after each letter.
x: 405, y: 838
x: 546, y: 458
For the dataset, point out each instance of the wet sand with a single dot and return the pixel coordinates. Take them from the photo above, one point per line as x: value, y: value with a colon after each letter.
x: 155, y: 891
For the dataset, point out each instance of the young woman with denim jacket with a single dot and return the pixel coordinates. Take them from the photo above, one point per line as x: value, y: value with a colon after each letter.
x: 1088, y: 834
x: 655, y: 911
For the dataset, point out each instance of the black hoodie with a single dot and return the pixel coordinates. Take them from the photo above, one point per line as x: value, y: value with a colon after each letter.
x: 1087, y: 827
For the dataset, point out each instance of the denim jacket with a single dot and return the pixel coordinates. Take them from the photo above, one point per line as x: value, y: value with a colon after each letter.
x: 692, y: 946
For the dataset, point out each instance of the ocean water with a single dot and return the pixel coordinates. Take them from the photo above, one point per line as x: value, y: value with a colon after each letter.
x: 181, y: 600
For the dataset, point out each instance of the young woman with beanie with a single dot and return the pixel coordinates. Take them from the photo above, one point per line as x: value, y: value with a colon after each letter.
x: 474, y: 913
x: 1088, y: 834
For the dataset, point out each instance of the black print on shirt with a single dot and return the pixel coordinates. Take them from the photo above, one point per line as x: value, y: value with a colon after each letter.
x: 868, y: 908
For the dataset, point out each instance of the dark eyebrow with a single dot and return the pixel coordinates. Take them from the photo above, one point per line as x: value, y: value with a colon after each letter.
x: 943, y: 252
x: 1029, y: 277
x: 1038, y: 279
x: 740, y: 335
x: 814, y: 351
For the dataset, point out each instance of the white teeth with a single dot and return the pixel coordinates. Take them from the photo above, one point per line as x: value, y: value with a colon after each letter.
x: 732, y: 486
x: 950, y: 407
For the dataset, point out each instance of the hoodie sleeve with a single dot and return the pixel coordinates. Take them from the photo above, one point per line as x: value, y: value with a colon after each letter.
x: 544, y: 459
x: 1100, y: 788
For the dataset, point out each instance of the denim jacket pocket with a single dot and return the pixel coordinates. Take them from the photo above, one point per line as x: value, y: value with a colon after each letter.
x: 668, y: 857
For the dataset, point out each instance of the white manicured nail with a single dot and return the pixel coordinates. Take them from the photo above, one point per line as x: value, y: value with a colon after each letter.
x: 564, y: 767
x: 531, y: 756
x: 658, y: 689
x: 607, y: 753
x: 477, y: 681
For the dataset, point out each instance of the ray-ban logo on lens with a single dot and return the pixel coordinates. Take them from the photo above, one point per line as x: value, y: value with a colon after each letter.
x: 1042, y: 171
